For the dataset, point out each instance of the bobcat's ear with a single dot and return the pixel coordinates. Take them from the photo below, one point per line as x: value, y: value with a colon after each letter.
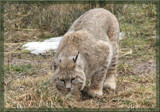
x: 75, y: 59
x: 56, y: 64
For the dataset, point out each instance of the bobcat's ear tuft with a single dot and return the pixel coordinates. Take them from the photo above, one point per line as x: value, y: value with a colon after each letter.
x: 75, y: 59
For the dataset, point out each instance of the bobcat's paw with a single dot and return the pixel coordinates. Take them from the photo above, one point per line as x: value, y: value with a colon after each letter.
x: 110, y: 84
x: 95, y: 93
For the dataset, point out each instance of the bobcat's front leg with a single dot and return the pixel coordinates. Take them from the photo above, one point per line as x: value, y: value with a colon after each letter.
x: 104, y: 53
x: 97, y: 80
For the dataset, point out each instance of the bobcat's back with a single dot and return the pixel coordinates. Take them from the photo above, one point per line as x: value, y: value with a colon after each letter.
x: 99, y: 22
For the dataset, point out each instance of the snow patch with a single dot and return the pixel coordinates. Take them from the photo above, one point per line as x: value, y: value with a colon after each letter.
x: 43, y: 47
x: 121, y: 35
x: 49, y: 44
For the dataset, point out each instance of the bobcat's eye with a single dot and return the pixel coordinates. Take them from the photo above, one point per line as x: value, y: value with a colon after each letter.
x: 62, y: 80
x: 73, y: 79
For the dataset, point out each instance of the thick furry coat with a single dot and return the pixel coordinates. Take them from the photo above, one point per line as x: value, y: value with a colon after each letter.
x: 89, y: 50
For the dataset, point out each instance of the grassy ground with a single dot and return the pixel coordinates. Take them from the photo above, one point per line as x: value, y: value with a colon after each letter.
x: 28, y: 76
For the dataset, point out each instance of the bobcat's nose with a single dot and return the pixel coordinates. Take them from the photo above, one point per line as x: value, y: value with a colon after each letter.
x: 68, y: 89
x: 68, y: 86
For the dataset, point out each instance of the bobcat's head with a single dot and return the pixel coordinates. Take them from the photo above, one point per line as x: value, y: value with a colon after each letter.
x: 69, y: 74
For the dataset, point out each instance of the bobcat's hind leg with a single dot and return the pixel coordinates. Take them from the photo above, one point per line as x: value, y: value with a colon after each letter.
x: 110, y: 80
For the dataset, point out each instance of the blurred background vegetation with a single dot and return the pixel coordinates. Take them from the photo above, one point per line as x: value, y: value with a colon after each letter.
x: 36, y: 21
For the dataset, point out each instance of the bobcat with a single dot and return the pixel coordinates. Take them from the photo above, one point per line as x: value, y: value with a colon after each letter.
x: 88, y: 51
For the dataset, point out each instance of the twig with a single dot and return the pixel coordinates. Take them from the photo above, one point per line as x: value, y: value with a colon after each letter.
x: 13, y: 50
x: 23, y: 29
x: 131, y: 72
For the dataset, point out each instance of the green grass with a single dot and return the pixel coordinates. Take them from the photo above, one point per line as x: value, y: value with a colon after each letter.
x: 21, y: 68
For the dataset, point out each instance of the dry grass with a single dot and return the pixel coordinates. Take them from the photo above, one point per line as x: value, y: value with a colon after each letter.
x: 34, y: 90
x: 28, y: 77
